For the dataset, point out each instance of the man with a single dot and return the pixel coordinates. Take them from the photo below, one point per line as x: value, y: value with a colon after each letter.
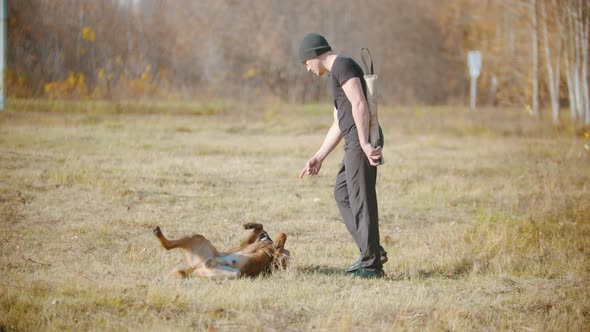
x: 354, y: 190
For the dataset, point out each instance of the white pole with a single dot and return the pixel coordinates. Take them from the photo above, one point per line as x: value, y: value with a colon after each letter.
x: 473, y: 92
x: 474, y: 63
x: 3, y: 16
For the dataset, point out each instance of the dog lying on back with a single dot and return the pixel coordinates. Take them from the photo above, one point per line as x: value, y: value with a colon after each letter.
x: 255, y: 255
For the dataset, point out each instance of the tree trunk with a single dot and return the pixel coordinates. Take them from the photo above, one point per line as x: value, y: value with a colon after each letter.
x: 551, y: 82
x: 570, y: 63
x: 585, y: 30
x: 577, y: 65
x: 535, y: 60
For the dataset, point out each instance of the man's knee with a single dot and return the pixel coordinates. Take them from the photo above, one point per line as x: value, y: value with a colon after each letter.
x: 341, y: 197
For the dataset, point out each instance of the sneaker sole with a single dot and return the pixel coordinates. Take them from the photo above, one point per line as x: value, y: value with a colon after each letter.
x: 370, y: 275
x: 384, y: 260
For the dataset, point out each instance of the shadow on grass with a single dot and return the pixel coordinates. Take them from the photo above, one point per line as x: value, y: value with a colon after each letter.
x: 339, y: 272
x: 458, y: 271
x: 321, y: 269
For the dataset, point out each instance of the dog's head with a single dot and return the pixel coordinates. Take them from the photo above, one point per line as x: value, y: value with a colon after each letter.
x: 264, y: 237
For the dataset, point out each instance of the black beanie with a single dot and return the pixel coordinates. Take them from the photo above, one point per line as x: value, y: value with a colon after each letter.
x: 313, y: 45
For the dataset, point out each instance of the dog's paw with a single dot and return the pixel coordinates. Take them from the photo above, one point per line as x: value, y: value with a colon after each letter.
x: 280, y: 241
x: 178, y: 274
x: 157, y: 231
x: 253, y: 225
x: 210, y: 262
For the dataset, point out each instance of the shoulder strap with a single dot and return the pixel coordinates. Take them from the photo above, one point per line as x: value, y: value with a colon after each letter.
x: 368, y: 71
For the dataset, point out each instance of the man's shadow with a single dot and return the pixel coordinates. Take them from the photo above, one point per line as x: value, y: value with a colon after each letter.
x: 322, y: 269
x: 332, y: 271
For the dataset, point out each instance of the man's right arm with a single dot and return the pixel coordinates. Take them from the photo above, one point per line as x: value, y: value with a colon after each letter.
x: 333, y: 137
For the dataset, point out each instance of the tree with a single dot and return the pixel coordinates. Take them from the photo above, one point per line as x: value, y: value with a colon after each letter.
x: 535, y: 58
x: 553, y: 72
x: 576, y: 58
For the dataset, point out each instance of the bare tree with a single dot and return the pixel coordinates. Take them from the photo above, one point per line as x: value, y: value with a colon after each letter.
x: 576, y: 59
x: 553, y: 78
x: 569, y: 61
x: 585, y: 37
x: 535, y: 58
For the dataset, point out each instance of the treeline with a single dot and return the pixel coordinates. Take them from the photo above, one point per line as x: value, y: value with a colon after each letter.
x: 535, y: 52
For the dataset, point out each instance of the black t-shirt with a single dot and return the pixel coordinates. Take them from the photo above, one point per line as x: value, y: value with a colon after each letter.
x: 343, y: 69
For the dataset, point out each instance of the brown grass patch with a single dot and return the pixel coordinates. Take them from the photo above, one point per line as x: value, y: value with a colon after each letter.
x: 485, y: 217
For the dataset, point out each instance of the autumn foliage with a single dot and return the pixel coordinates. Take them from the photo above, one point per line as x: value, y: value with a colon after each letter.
x: 247, y: 50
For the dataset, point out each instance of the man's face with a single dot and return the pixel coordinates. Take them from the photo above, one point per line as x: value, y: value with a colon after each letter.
x: 314, y: 65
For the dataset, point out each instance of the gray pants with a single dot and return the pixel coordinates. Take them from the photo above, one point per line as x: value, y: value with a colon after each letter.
x: 356, y: 198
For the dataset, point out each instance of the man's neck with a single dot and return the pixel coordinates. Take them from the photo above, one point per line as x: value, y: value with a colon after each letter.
x: 329, y: 61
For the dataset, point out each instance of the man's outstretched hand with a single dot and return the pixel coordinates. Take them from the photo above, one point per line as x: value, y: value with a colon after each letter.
x: 312, y: 167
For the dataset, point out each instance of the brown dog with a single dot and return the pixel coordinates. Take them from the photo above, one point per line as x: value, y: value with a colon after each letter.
x: 256, y: 254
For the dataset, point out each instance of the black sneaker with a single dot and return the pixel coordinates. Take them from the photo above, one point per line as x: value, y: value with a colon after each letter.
x: 358, y: 264
x: 366, y: 274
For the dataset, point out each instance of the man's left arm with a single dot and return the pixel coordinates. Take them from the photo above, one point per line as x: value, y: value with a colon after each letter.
x: 360, y: 111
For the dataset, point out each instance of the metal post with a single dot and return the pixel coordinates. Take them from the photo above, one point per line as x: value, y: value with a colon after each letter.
x: 473, y: 92
x: 3, y: 34
x: 474, y: 63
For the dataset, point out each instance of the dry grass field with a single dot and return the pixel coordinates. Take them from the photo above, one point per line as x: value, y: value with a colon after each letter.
x: 485, y: 215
